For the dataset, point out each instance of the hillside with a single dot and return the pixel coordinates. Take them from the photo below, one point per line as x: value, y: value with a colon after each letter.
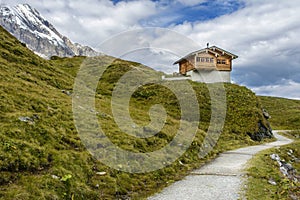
x: 42, y: 155
x: 285, y: 113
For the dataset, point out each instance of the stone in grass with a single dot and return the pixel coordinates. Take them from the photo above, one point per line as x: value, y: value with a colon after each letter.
x: 272, y: 182
x: 284, y: 171
x: 29, y: 120
x: 66, y: 92
x: 55, y: 177
x: 101, y: 173
x: 266, y: 114
x: 288, y: 166
x: 275, y: 157
x: 294, y: 197
x: 24, y: 119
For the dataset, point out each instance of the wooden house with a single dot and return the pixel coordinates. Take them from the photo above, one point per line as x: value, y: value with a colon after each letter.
x: 211, y: 64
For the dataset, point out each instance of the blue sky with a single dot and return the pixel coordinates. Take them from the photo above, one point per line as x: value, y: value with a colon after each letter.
x: 180, y: 13
x: 263, y: 33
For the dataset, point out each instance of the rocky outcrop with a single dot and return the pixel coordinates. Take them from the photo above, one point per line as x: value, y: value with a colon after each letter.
x: 28, y: 26
x: 285, y: 168
x: 264, y: 128
x: 80, y: 50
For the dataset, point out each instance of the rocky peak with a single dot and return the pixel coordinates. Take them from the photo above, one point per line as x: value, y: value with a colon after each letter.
x: 28, y: 25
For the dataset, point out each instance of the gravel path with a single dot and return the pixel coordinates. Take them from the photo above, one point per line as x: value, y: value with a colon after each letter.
x: 221, y: 179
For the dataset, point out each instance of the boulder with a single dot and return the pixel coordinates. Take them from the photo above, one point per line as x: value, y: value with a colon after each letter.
x: 262, y: 133
x: 264, y: 129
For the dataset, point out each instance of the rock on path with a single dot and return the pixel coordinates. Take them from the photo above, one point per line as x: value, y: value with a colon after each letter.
x: 221, y: 179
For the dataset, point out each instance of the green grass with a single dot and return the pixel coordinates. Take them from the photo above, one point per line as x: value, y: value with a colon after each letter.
x: 31, y: 153
x: 263, y: 168
x: 285, y: 113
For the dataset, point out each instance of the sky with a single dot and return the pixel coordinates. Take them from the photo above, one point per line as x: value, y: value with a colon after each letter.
x: 263, y: 33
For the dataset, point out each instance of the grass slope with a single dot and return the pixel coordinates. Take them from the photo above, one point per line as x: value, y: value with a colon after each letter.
x: 44, y: 157
x: 285, y: 113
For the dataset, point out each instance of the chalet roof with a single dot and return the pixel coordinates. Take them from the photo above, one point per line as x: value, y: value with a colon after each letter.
x: 209, y: 49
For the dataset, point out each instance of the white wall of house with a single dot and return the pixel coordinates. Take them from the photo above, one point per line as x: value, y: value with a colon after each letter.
x: 213, y: 76
x: 176, y: 78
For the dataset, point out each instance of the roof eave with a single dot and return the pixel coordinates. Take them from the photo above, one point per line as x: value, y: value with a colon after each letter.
x: 227, y: 52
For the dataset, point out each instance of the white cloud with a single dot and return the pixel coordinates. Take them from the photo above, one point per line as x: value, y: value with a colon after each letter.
x: 155, y: 47
x: 191, y: 2
x: 256, y: 24
x: 290, y: 90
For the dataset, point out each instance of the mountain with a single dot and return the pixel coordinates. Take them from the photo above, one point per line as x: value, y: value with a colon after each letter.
x: 27, y: 25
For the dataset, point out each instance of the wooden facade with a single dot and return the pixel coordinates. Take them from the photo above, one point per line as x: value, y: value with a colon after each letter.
x: 211, y: 58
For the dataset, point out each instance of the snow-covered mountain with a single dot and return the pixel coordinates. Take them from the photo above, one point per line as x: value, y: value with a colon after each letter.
x: 26, y: 24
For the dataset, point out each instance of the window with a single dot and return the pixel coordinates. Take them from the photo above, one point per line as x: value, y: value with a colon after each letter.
x: 204, y: 59
x: 219, y: 61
